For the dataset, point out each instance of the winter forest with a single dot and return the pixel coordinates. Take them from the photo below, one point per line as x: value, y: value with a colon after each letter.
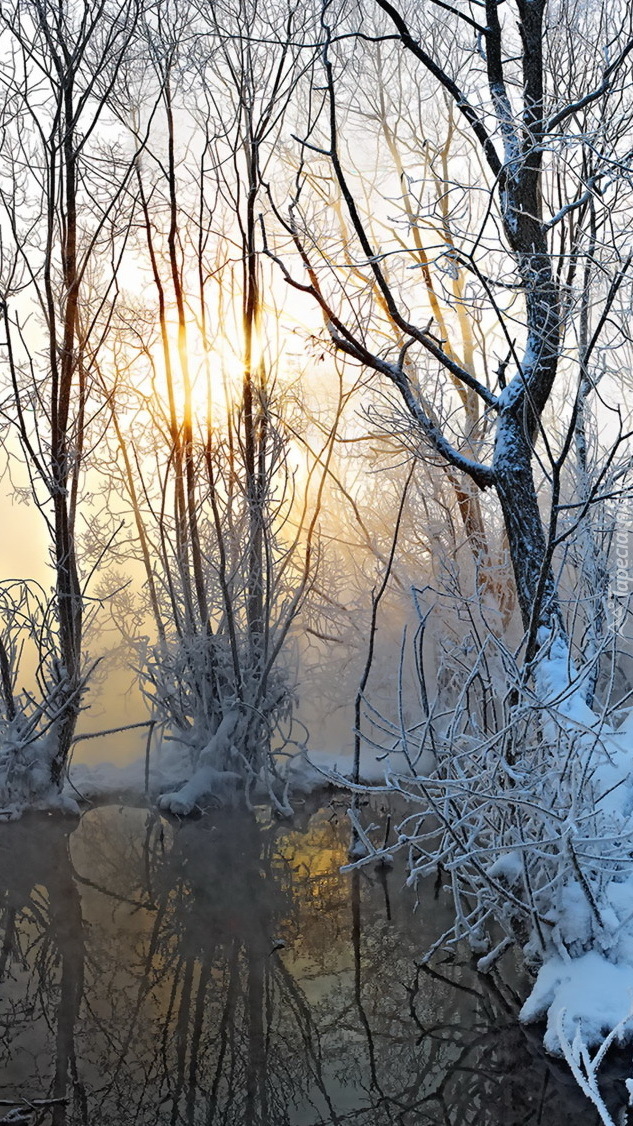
x: 316, y: 644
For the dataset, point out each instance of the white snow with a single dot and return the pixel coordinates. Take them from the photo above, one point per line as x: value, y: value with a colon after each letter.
x: 25, y: 776
x: 207, y: 786
x: 559, y: 684
x: 584, y: 988
x: 588, y: 992
x: 172, y: 783
x: 508, y: 867
x: 212, y: 782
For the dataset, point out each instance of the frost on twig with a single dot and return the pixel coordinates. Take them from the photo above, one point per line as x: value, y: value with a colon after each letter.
x: 528, y: 816
x: 582, y: 1065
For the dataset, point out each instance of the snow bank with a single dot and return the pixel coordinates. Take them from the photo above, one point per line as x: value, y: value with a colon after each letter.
x: 25, y: 777
x: 104, y: 781
x: 207, y: 786
x: 212, y: 781
x: 584, y: 988
x: 589, y: 993
x: 171, y: 782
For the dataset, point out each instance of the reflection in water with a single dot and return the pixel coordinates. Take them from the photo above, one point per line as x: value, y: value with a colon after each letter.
x: 223, y: 971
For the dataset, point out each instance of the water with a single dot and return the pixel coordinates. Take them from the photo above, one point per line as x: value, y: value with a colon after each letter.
x: 223, y: 971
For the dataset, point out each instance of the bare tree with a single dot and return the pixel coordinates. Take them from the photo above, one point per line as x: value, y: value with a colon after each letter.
x: 60, y: 214
x: 527, y: 235
x: 204, y: 437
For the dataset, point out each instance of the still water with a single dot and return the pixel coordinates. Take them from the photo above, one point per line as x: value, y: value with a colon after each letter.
x: 223, y: 971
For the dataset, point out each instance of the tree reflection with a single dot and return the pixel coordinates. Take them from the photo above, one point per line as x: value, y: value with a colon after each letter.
x: 223, y: 971
x: 43, y: 929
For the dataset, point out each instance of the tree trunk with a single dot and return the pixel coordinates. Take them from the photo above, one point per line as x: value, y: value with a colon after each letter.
x: 523, y: 524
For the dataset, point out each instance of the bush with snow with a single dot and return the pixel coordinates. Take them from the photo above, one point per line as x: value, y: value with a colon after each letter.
x: 530, y: 820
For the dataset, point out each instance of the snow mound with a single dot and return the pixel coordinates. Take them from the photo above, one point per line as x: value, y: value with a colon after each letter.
x: 588, y: 993
x: 26, y: 780
x: 207, y: 786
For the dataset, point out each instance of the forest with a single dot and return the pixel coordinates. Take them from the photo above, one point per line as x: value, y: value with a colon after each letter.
x: 317, y: 494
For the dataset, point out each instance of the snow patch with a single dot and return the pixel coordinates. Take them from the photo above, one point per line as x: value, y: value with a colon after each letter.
x: 508, y: 867
x: 25, y: 777
x: 588, y: 993
x: 170, y: 779
x: 559, y: 684
x: 207, y: 786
